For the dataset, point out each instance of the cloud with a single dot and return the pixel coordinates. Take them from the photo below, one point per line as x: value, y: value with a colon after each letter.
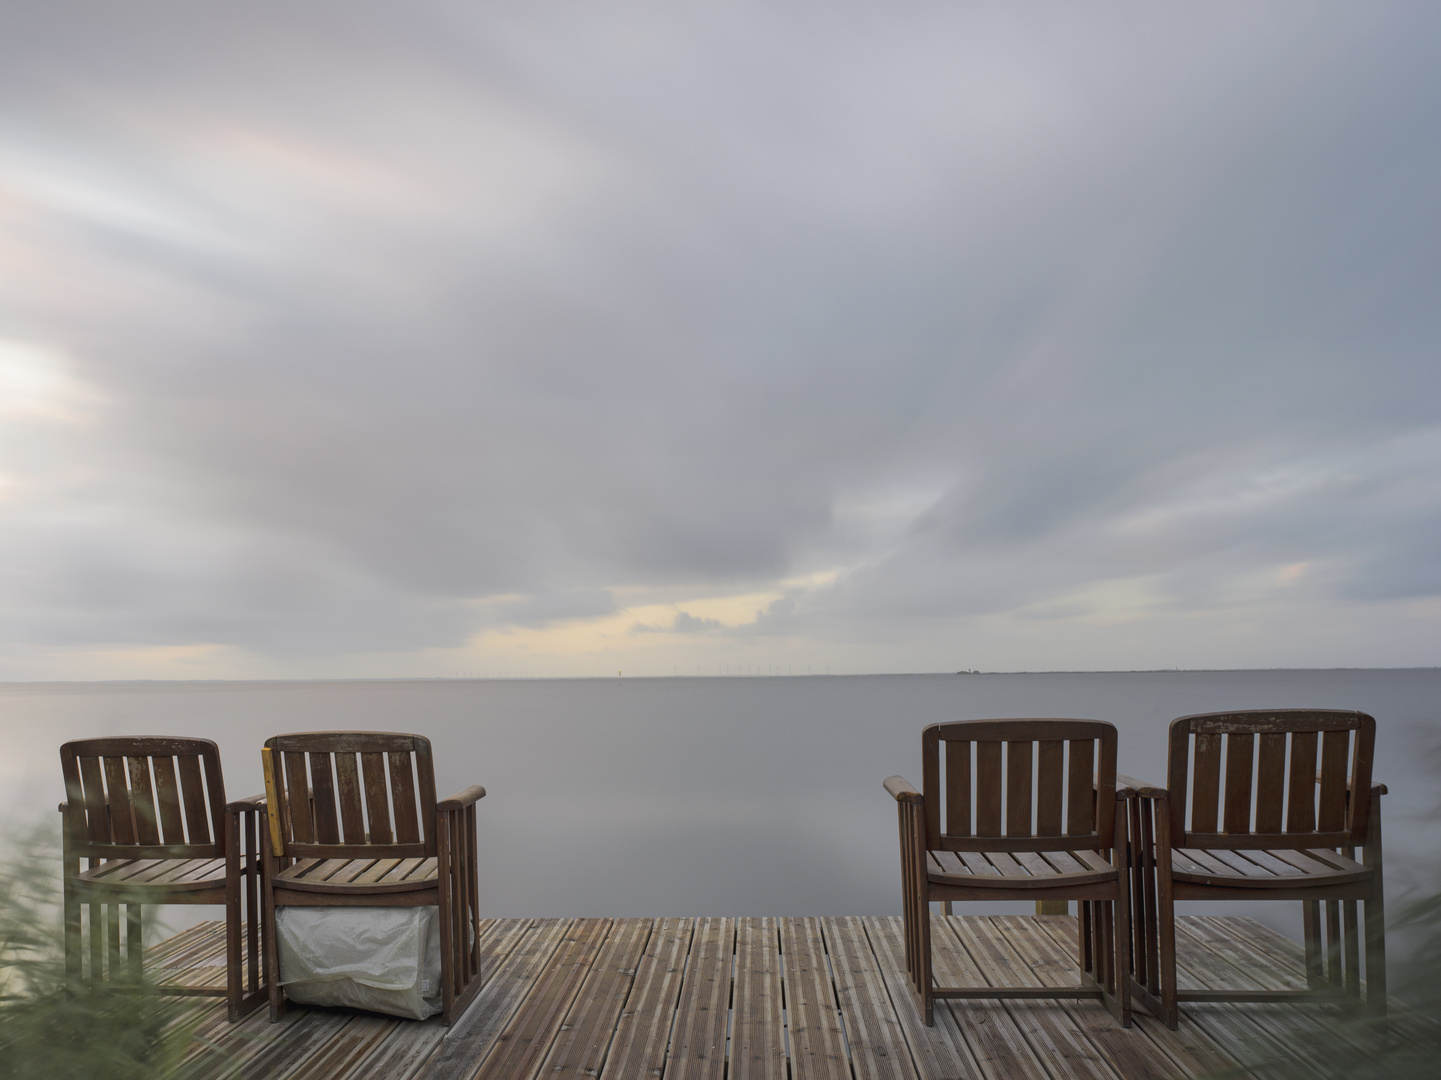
x: 463, y: 323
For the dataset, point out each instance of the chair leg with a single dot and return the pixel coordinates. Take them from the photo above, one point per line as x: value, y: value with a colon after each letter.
x: 1166, y: 927
x: 134, y: 944
x: 1333, y: 944
x: 1121, y: 964
x: 272, y: 956
x: 1375, y: 917
x: 923, y: 965
x: 1376, y: 956
x: 1351, y: 942
x: 97, y: 941
x: 112, y: 941
x: 74, y: 958
x: 233, y: 988
x: 1311, y: 923
x: 1085, y: 951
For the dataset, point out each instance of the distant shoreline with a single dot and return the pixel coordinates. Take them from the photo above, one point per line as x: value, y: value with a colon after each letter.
x: 330, y: 680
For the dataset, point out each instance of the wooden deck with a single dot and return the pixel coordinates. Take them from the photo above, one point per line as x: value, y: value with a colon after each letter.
x: 768, y: 999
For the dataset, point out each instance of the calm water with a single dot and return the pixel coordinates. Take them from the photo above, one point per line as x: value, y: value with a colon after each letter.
x: 694, y: 796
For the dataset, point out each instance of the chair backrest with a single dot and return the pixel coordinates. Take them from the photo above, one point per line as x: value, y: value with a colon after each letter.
x: 1250, y: 779
x: 350, y: 794
x: 1020, y: 785
x: 152, y: 797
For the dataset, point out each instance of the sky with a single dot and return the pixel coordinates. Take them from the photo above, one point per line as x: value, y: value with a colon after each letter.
x: 431, y: 339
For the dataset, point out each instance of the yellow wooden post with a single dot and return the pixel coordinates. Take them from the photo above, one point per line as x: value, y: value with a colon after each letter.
x: 1053, y: 907
x: 272, y: 801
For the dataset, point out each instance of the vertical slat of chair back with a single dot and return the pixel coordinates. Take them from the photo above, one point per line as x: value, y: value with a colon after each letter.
x: 145, y: 797
x: 354, y: 792
x: 1019, y: 784
x: 1271, y: 778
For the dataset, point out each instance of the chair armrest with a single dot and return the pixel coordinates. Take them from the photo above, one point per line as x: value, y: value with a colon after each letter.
x: 1377, y: 788
x: 462, y: 799
x: 250, y: 802
x: 1132, y: 788
x: 901, y: 789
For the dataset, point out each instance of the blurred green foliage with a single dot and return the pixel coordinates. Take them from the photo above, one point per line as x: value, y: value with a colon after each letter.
x: 44, y: 1032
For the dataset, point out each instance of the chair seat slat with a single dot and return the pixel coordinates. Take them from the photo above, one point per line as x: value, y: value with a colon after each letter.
x: 1063, y: 861
x: 403, y: 869
x: 158, y: 876
x: 1035, y: 865
x: 1092, y: 860
x: 349, y: 880
x: 1007, y: 866
x: 1210, y: 868
x: 1240, y: 864
x: 977, y: 864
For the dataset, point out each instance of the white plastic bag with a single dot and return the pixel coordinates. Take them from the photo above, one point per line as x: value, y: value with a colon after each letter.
x: 386, y: 960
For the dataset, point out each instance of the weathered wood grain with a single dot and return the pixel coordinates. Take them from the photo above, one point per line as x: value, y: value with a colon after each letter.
x: 524, y: 1042
x: 939, y: 1052
x: 638, y: 998
x: 816, y: 1040
x: 471, y: 1040
x: 585, y: 1035
x: 698, y: 1042
x: 758, y: 1036
x: 876, y: 1042
x: 642, y: 1031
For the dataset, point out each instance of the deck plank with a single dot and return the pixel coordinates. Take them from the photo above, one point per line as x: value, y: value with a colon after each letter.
x: 816, y: 1041
x: 1257, y: 1036
x: 814, y: 999
x: 876, y: 1043
x: 1052, y: 1035
x: 1187, y: 1049
x: 468, y: 1042
x: 1233, y: 964
x: 757, y: 1029
x: 939, y: 1052
x: 1000, y: 1045
x: 404, y: 1052
x: 526, y: 1040
x: 643, y: 1030
x: 585, y: 1035
x: 697, y: 1048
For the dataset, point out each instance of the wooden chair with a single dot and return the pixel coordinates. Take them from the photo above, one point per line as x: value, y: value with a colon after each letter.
x: 354, y: 821
x: 1017, y: 810
x: 149, y: 820
x: 1264, y: 825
